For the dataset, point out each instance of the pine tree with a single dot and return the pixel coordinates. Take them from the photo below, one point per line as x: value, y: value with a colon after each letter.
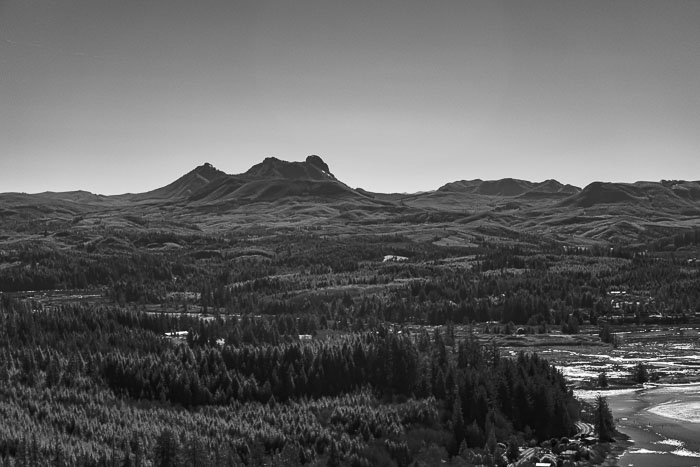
x: 289, y: 456
x: 137, y: 449
x: 513, y: 449
x: 640, y: 373
x: 334, y: 457
x: 603, y: 380
x: 459, y: 428
x: 22, y: 457
x: 34, y: 452
x: 59, y: 456
x: 604, y: 423
x: 166, y: 449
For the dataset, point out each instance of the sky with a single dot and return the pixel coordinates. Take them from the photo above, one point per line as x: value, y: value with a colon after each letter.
x: 396, y: 96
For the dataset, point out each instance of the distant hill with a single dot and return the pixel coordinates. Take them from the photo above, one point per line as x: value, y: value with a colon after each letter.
x: 510, y: 187
x: 461, y: 186
x: 504, y: 187
x: 550, y: 188
x: 683, y: 189
x: 277, y: 192
x: 656, y: 196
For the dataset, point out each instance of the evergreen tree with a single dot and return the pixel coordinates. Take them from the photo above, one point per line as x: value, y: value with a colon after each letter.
x: 604, y: 422
x: 603, y: 380
x: 640, y: 373
x: 166, y: 449
x: 513, y: 449
x: 334, y: 456
x: 459, y: 428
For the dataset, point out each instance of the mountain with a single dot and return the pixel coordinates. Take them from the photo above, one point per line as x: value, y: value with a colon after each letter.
x: 510, y: 187
x: 680, y: 197
x: 275, y: 180
x: 304, y: 193
x: 313, y: 168
x: 270, y: 180
x: 186, y: 185
x: 604, y: 193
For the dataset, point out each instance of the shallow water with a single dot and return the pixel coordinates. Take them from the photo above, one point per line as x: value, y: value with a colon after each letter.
x: 663, y: 422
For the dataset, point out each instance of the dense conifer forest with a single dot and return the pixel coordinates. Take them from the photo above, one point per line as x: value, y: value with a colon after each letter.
x: 94, y: 385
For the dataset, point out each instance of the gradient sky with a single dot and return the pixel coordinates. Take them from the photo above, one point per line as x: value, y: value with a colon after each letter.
x: 115, y: 96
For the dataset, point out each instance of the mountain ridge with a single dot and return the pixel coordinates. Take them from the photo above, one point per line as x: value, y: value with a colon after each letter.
x: 314, y: 168
x: 274, y: 191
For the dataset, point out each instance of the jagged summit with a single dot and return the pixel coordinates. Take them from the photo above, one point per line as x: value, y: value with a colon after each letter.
x: 273, y: 180
x: 207, y: 171
x: 316, y: 161
x: 314, y: 168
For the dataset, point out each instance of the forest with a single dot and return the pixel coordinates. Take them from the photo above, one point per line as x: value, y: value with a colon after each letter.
x: 85, y: 385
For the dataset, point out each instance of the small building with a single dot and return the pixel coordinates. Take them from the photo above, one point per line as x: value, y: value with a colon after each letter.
x: 394, y: 258
x: 176, y: 334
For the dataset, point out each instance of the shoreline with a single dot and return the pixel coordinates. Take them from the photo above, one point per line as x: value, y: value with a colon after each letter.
x: 654, y: 439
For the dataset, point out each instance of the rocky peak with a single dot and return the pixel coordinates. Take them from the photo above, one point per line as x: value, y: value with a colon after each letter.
x: 313, y: 168
x: 317, y: 162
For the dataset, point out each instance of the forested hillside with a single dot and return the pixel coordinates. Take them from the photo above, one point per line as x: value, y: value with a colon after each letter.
x: 85, y: 385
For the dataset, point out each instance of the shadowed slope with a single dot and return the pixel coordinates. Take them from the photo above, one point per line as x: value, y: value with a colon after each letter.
x: 186, y: 185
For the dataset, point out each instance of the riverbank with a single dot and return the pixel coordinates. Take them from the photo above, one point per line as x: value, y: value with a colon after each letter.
x: 649, y: 416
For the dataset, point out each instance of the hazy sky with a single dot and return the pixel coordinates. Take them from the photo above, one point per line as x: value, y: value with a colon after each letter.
x: 115, y: 96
